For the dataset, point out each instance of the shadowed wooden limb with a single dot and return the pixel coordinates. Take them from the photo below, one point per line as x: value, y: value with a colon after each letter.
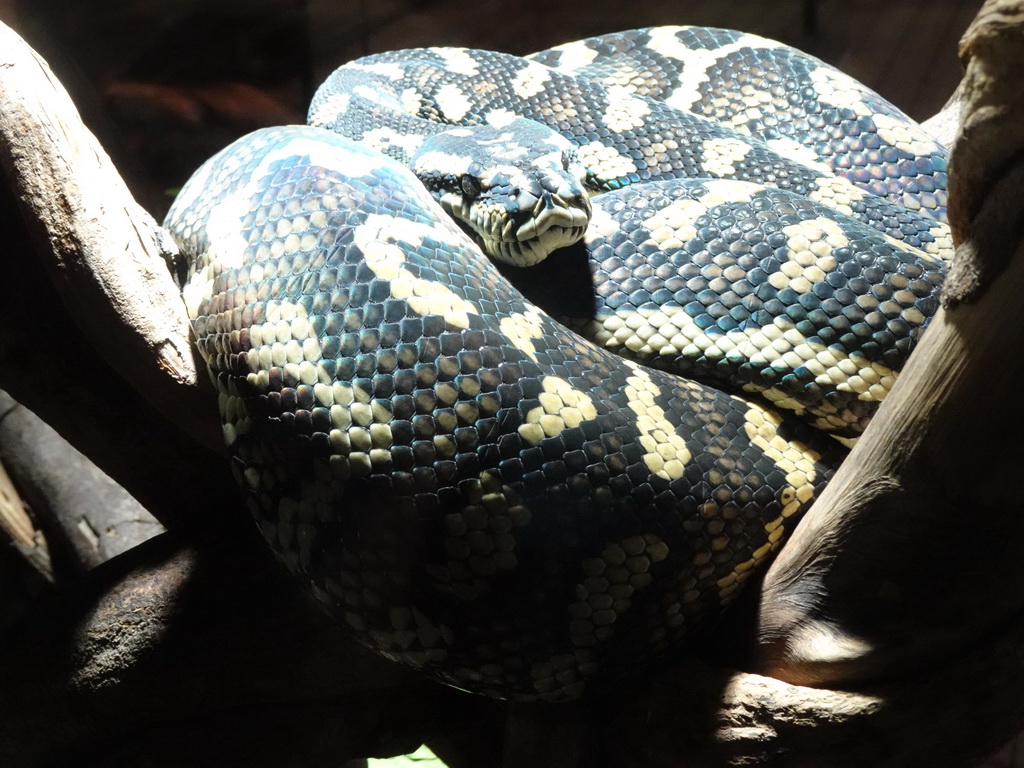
x: 88, y: 517
x: 912, y: 552
x: 199, y: 653
x: 49, y: 365
x: 101, y: 249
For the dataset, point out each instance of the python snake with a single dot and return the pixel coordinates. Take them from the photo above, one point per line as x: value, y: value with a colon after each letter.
x: 473, y: 488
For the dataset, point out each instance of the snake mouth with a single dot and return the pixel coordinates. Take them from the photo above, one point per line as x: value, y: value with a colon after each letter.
x: 527, y: 239
x: 527, y: 236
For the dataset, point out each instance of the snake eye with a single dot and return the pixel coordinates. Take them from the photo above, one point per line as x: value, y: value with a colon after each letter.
x: 567, y: 159
x: 470, y: 186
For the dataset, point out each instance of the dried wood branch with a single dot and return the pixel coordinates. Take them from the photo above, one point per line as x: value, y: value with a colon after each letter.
x: 104, y: 254
x: 88, y: 516
x: 910, y: 555
x: 199, y: 653
x: 100, y: 247
x: 18, y: 530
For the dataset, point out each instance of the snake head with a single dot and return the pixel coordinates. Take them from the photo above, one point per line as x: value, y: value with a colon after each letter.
x: 517, y: 189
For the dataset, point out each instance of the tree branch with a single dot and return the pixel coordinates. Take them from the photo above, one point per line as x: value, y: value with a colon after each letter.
x: 911, y: 552
x: 159, y: 653
x: 79, y: 210
x: 85, y: 513
x: 48, y: 357
x: 104, y: 254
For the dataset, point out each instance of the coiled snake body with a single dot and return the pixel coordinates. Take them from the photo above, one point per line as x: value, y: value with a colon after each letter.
x: 470, y: 486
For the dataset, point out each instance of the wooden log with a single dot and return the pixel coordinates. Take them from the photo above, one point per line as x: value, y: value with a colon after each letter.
x: 911, y: 554
x: 194, y: 651
x: 104, y: 253
x: 151, y: 425
x: 89, y: 517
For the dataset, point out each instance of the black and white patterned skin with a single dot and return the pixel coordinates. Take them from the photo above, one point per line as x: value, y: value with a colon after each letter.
x: 751, y: 288
x: 385, y: 101
x: 776, y: 94
x: 472, y: 488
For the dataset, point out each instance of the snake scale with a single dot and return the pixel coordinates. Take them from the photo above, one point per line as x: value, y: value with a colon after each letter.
x: 527, y: 503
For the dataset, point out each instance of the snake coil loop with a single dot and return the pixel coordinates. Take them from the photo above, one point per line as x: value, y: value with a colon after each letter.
x: 473, y: 488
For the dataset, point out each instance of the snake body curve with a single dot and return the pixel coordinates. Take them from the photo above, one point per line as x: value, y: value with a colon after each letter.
x: 471, y: 487
x: 776, y: 94
x: 622, y: 137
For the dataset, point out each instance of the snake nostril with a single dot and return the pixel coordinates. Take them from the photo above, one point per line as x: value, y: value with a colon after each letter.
x: 514, y: 194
